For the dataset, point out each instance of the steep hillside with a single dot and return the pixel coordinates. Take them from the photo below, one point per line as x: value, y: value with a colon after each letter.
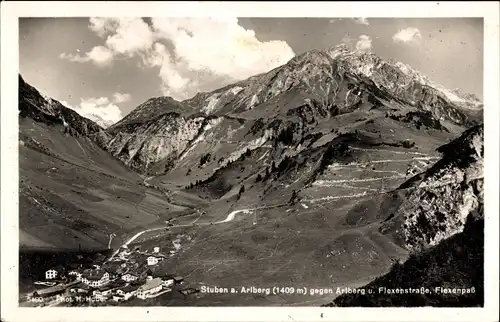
x: 438, y: 217
x: 450, y: 274
x: 72, y: 193
x: 42, y: 109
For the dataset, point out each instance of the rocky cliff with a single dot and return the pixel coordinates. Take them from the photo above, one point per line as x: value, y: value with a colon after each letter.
x: 438, y: 201
x: 154, y: 146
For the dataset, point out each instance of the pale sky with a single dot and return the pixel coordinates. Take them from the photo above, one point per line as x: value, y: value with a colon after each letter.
x: 108, y: 67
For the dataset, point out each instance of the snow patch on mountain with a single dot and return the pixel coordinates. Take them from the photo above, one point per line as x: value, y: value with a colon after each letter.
x: 99, y: 120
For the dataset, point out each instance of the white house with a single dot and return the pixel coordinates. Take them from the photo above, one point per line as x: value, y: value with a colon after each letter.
x: 152, y: 260
x: 168, y: 282
x: 129, y: 277
x: 156, y: 249
x: 51, y: 274
x: 107, y: 292
x: 54, y: 272
x: 150, y: 288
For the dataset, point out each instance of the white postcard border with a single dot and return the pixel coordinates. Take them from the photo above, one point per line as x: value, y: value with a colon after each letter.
x: 11, y: 11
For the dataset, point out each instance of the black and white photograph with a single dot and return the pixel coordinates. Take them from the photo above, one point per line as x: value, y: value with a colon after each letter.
x: 226, y: 160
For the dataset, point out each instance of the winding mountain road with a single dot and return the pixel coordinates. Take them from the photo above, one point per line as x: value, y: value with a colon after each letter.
x: 230, y: 217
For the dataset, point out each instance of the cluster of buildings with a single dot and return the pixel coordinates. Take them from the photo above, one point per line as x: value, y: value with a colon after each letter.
x: 130, y: 274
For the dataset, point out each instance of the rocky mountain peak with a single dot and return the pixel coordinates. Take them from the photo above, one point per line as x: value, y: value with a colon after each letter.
x: 315, y: 56
x: 314, y: 86
x: 338, y: 50
x: 466, y: 96
x: 396, y: 76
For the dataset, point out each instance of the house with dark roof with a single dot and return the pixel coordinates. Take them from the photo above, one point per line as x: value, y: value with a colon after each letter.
x: 95, y: 278
x: 49, y: 291
x: 119, y: 298
x: 189, y: 291
x: 104, y: 292
x: 127, y: 291
x: 76, y: 272
x: 153, y: 260
x: 168, y: 281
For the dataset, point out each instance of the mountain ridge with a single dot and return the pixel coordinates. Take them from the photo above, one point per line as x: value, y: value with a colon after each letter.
x: 42, y: 108
x: 326, y: 83
x: 358, y: 62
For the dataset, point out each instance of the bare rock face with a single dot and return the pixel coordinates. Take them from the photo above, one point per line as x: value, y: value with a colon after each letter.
x: 142, y: 145
x: 440, y: 200
x: 399, y: 78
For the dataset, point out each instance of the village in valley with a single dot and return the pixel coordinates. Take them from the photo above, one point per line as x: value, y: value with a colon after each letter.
x: 130, y: 273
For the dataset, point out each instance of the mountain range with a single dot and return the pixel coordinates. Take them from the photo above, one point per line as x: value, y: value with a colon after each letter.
x: 333, y: 166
